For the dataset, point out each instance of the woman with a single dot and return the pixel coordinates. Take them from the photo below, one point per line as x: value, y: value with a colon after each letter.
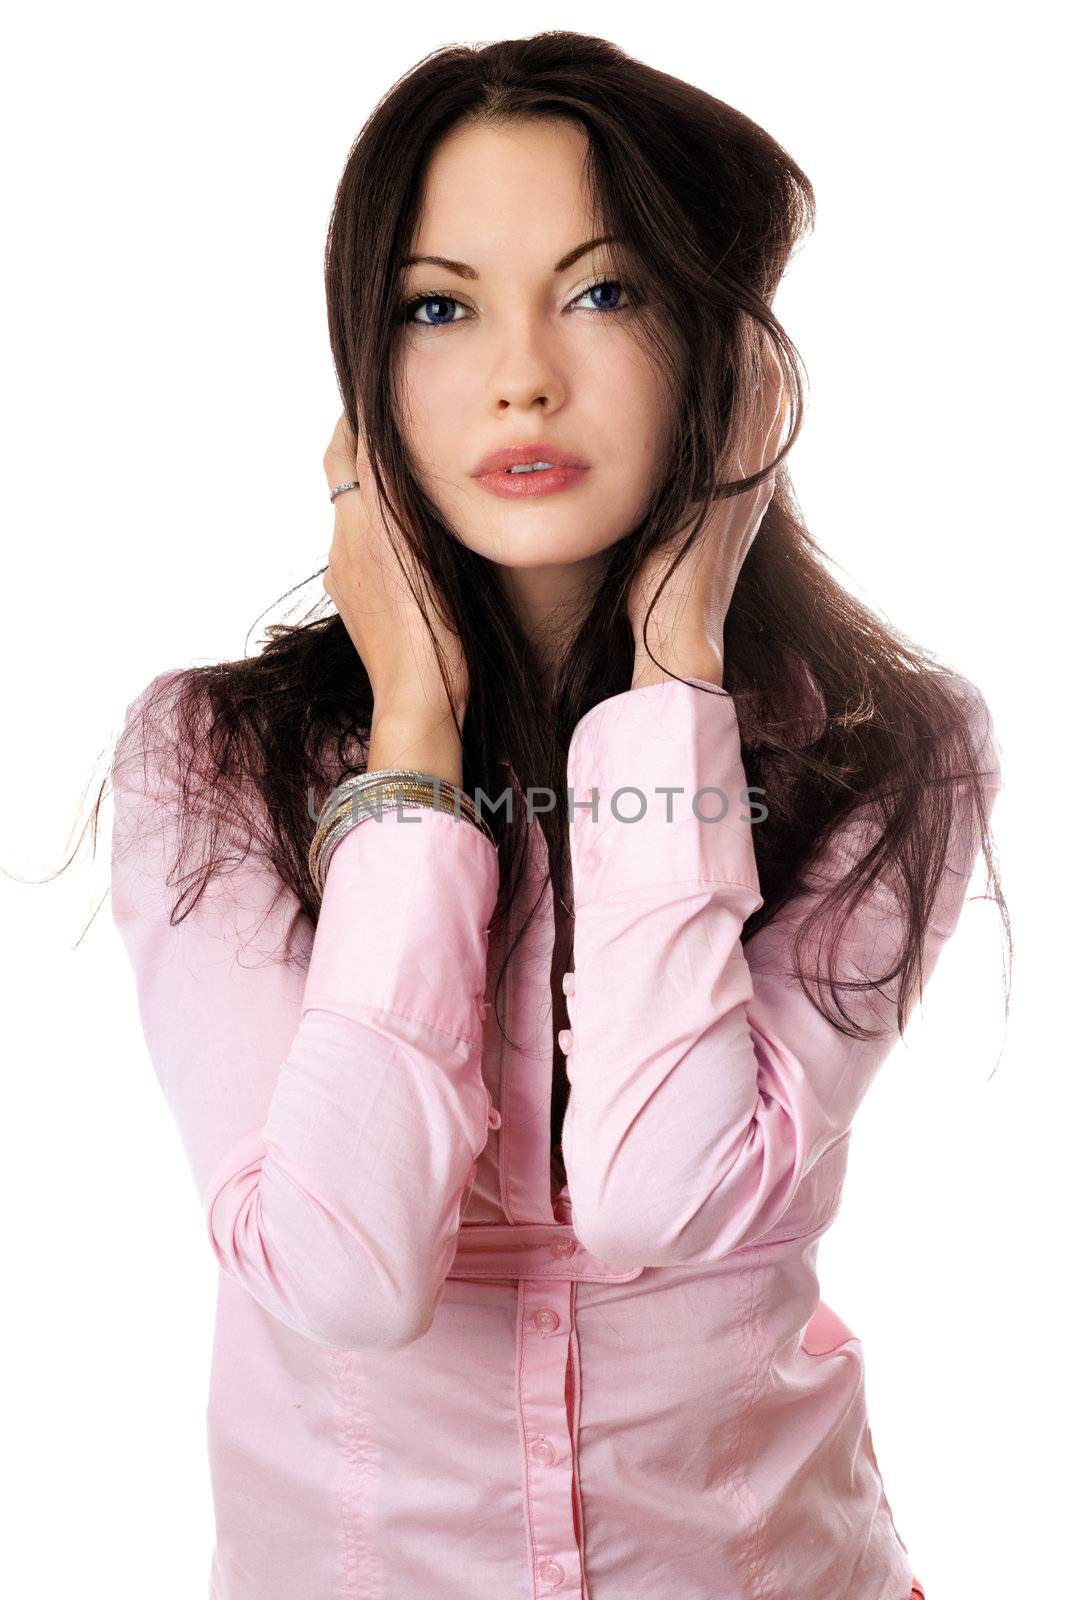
x: 516, y: 1133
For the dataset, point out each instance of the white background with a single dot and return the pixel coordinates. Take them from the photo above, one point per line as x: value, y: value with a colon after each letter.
x: 167, y: 396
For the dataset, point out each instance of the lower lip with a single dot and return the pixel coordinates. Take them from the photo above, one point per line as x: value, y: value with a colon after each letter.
x: 521, y: 484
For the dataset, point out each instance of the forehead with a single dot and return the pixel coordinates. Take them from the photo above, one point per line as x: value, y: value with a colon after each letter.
x: 496, y: 193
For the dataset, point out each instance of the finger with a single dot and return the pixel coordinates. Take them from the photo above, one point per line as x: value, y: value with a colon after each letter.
x: 781, y: 422
x: 362, y: 462
x: 774, y: 406
x: 338, y: 459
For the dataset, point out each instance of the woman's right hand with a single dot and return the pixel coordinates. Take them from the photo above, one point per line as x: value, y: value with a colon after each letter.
x: 365, y: 580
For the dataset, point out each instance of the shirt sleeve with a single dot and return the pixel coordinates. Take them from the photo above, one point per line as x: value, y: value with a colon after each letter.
x: 330, y: 1113
x: 710, y: 1100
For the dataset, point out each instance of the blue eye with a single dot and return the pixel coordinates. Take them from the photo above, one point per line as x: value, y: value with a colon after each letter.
x: 428, y: 300
x: 606, y: 283
x: 439, y: 299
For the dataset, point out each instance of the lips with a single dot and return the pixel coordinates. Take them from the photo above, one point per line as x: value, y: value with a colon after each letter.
x: 523, y: 455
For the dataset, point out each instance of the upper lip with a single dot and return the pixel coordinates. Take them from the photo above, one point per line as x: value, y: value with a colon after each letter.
x: 518, y: 455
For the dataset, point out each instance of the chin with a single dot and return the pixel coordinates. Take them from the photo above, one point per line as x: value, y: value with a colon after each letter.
x: 530, y: 561
x: 543, y: 547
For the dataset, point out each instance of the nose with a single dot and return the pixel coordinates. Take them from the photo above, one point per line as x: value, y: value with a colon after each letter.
x: 525, y: 373
x: 512, y: 401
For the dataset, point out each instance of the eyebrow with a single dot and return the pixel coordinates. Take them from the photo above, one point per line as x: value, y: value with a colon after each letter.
x: 462, y: 270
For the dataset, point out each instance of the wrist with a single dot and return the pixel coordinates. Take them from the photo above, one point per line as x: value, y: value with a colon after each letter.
x: 416, y: 740
x: 704, y: 663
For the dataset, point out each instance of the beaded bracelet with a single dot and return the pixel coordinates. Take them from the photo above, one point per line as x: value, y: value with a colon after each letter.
x: 391, y: 788
x: 389, y: 795
x: 349, y: 794
x: 382, y: 777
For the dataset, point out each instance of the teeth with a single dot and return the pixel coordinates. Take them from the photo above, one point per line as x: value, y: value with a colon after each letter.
x: 534, y: 466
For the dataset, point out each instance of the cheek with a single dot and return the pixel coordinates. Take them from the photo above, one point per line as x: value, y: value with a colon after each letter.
x: 428, y: 421
x: 640, y: 406
x: 410, y: 391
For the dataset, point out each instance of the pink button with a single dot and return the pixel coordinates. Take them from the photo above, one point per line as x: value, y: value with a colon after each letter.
x: 568, y: 983
x: 545, y: 1321
x: 566, y: 1040
x: 542, y: 1452
x: 552, y: 1574
x: 495, y: 1118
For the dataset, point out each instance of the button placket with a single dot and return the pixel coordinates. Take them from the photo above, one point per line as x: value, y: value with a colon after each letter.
x: 585, y: 830
x: 545, y: 1319
x: 565, y: 1036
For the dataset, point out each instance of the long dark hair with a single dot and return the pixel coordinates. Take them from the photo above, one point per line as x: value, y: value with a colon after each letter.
x: 840, y: 715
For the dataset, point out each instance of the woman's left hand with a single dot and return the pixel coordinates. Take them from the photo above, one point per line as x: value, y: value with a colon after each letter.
x: 685, y: 630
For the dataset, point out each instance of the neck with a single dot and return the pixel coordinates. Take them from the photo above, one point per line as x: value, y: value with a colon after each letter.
x: 551, y: 604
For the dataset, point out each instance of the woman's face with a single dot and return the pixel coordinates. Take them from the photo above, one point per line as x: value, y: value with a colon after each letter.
x: 518, y: 352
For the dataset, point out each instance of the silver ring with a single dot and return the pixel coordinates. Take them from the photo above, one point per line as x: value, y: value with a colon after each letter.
x: 341, y: 487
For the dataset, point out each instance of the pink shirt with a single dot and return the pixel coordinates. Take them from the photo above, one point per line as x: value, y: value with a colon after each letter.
x: 436, y: 1378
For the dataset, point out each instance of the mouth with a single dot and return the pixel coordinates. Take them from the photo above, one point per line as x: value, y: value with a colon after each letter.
x: 519, y: 471
x: 521, y: 460
x: 523, y: 483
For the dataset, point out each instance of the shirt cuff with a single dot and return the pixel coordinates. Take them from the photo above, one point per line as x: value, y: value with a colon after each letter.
x: 629, y: 748
x: 404, y: 921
